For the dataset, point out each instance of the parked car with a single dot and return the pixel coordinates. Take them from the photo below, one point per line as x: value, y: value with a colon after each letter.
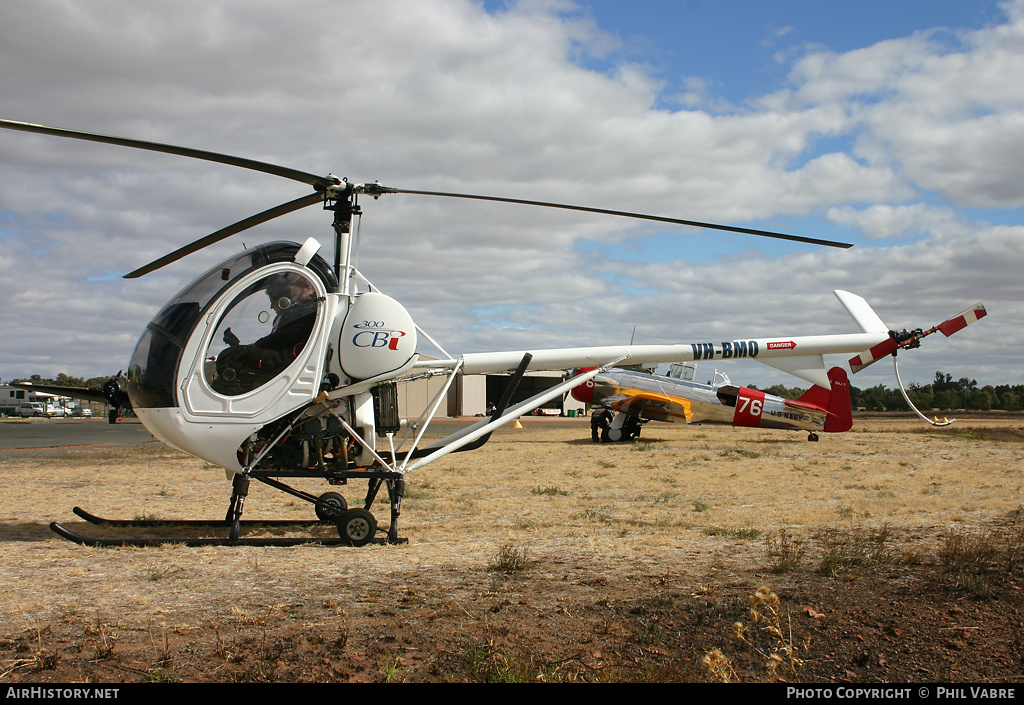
x: 82, y: 411
x: 31, y: 408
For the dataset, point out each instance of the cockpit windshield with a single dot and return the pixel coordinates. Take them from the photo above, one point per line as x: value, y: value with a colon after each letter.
x: 264, y: 329
x: 154, y: 364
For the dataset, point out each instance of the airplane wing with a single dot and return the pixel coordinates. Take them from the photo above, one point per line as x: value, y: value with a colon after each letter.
x: 614, y: 400
x: 110, y: 393
x: 87, y: 393
x: 649, y: 405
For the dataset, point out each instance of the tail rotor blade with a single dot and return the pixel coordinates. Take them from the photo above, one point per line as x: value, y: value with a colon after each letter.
x: 962, y: 320
x: 908, y: 340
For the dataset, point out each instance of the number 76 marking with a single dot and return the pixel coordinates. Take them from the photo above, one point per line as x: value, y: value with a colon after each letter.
x: 754, y: 404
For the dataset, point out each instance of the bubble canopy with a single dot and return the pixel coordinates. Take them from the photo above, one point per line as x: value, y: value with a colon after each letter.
x: 154, y: 366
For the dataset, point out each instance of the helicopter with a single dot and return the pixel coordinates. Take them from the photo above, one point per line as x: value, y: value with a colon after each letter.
x: 276, y: 364
x: 638, y: 397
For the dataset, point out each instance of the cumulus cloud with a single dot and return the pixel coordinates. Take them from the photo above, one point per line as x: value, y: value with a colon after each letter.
x: 943, y: 108
x: 446, y: 96
x: 885, y: 221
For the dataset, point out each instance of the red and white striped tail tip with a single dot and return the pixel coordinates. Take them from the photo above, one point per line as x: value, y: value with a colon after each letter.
x: 948, y: 328
x: 886, y: 347
x: 963, y: 320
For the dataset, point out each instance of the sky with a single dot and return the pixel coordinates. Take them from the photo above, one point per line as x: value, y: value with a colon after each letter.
x: 898, y: 127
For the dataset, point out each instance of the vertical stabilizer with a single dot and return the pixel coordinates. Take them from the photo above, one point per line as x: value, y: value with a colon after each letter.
x: 861, y: 312
x: 836, y: 400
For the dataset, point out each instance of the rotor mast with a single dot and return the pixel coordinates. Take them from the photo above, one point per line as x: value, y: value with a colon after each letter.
x: 345, y: 205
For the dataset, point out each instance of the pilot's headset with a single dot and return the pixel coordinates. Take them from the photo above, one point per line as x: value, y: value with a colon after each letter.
x: 280, y: 292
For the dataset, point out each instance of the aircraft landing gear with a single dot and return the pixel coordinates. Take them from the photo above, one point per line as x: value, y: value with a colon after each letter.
x: 357, y: 527
x: 813, y: 437
x: 330, y: 506
x: 629, y: 430
x: 239, y: 491
x: 612, y: 435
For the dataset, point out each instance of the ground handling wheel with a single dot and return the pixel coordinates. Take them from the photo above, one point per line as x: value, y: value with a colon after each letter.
x: 330, y: 506
x: 357, y: 527
x: 612, y: 435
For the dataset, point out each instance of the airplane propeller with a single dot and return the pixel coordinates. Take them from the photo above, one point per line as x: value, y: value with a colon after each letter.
x: 330, y: 187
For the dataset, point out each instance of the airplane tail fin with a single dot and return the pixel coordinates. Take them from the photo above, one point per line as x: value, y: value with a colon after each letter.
x: 836, y: 400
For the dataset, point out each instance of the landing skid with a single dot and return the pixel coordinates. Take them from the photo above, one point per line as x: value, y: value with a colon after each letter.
x: 74, y: 537
x: 356, y: 526
x: 234, y: 529
x: 194, y: 523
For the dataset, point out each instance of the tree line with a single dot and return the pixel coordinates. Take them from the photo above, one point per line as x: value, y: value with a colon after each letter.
x: 942, y: 394
x: 64, y: 380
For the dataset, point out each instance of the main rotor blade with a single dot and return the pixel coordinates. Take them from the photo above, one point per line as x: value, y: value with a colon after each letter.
x: 238, y: 227
x: 274, y: 169
x: 640, y: 216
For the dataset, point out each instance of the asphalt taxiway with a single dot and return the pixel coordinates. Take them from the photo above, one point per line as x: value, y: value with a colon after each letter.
x: 21, y: 434
x: 17, y: 434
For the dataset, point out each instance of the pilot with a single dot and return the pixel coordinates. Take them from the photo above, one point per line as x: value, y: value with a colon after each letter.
x: 280, y: 294
x: 245, y: 367
x: 293, y: 298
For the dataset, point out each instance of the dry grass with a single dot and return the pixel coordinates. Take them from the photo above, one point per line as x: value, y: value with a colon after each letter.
x: 548, y: 490
x: 690, y: 503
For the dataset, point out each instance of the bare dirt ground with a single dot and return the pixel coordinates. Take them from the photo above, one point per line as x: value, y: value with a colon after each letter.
x: 890, y: 553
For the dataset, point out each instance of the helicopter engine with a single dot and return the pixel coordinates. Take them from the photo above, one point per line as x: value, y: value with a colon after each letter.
x: 322, y: 441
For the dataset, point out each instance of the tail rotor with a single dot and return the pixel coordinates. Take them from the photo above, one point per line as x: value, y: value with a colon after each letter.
x: 910, y: 339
